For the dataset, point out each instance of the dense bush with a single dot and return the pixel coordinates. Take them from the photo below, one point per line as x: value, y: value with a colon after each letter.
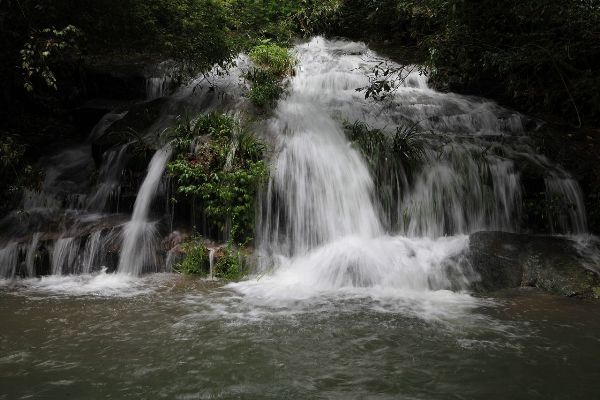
x: 539, y: 55
x: 195, y: 260
x: 231, y: 265
x: 272, y: 58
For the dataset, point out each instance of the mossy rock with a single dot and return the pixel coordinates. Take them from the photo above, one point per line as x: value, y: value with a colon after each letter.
x: 506, y: 260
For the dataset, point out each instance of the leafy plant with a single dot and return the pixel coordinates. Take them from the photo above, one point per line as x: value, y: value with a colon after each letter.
x: 195, y: 260
x: 271, y: 58
x: 15, y: 173
x: 272, y: 64
x: 231, y: 265
x: 404, y: 145
x: 223, y: 171
x: 42, y: 50
x: 265, y: 88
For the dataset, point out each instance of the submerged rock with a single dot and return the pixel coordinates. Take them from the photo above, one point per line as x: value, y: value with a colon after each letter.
x: 507, y: 260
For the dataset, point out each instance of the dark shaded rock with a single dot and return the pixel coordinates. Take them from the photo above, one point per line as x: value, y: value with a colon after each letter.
x: 130, y: 128
x: 42, y: 261
x: 507, y: 260
x: 116, y: 81
x: 88, y: 114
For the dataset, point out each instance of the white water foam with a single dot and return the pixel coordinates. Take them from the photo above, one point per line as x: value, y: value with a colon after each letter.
x: 97, y: 284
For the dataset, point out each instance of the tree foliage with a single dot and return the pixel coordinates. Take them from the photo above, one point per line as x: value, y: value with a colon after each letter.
x: 541, y: 56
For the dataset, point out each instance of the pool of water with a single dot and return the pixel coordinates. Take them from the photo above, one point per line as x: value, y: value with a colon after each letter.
x: 167, y: 336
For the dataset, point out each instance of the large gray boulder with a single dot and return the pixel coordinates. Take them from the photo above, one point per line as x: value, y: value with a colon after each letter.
x: 508, y: 260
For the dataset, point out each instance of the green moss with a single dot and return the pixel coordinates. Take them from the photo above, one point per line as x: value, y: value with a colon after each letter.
x: 596, y: 292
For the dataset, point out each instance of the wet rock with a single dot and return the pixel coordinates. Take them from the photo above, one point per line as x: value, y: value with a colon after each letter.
x: 507, y: 260
x: 42, y: 261
x: 130, y: 128
x: 89, y: 113
x: 173, y: 240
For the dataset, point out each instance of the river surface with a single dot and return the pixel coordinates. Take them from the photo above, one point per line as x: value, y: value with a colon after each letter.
x: 166, y: 336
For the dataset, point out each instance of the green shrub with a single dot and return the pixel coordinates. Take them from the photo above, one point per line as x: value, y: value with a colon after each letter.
x: 16, y: 174
x: 231, y: 265
x: 272, y: 64
x: 265, y: 89
x: 272, y: 58
x: 195, y: 261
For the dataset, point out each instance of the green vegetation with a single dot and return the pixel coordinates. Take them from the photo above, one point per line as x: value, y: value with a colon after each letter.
x: 230, y: 262
x: 272, y: 58
x: 272, y: 63
x: 405, y: 145
x: 221, y: 166
x: 195, y: 260
x: 15, y: 174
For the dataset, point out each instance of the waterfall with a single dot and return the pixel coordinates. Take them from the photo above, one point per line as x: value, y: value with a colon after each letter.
x: 322, y: 184
x: 332, y: 219
x: 113, y: 163
x: 211, y: 262
x: 139, y: 235
x: 31, y: 251
x: 9, y: 258
x: 91, y: 251
x: 565, y: 205
x: 64, y: 255
x: 331, y: 215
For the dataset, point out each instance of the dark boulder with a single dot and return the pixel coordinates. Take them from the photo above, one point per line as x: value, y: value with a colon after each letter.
x: 507, y: 260
x: 115, y: 81
x: 129, y: 129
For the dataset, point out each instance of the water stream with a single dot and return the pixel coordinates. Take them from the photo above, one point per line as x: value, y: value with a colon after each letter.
x: 140, y: 236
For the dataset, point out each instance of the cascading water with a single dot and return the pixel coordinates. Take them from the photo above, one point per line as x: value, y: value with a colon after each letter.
x: 140, y: 237
x: 324, y: 221
x: 31, y: 250
x: 330, y: 217
x: 109, y: 179
x: 8, y: 259
x: 564, y: 196
x: 64, y: 254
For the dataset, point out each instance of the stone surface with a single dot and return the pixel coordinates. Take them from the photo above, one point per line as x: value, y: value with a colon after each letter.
x: 507, y: 260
